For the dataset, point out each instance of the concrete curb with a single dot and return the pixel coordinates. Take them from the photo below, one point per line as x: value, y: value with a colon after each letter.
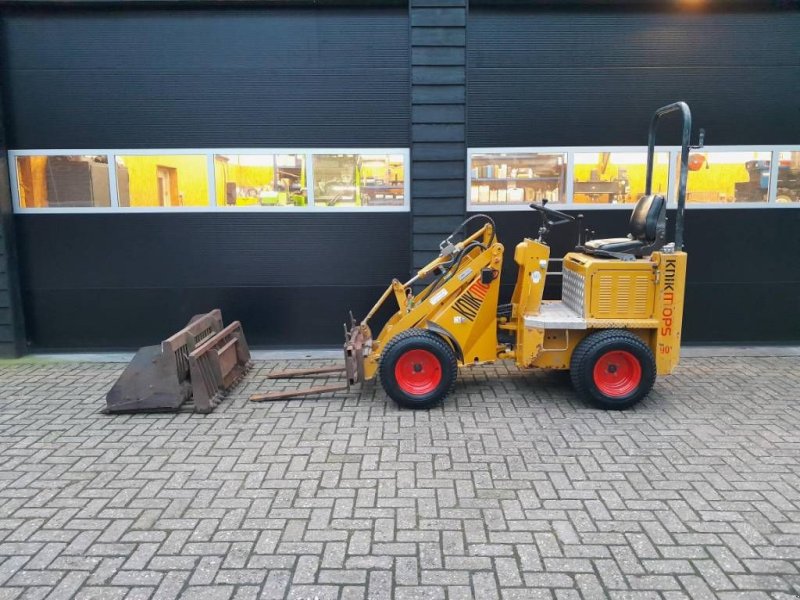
x: 334, y: 354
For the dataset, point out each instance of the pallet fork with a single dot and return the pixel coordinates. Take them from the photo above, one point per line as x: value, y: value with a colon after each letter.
x: 299, y: 373
x: 352, y: 368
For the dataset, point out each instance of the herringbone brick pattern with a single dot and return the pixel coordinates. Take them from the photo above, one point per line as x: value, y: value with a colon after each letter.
x: 513, y: 489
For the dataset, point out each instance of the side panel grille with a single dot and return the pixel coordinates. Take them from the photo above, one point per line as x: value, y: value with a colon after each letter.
x: 642, y: 305
x: 622, y: 295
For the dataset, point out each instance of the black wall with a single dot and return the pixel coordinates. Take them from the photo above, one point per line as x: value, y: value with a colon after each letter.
x: 428, y: 76
x: 438, y: 122
x: 231, y: 77
x: 594, y: 76
x: 12, y: 330
x: 126, y: 280
x: 152, y: 78
x: 588, y: 76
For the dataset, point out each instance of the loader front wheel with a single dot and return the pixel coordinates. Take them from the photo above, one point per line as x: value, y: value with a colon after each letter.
x: 418, y: 369
x: 613, y: 369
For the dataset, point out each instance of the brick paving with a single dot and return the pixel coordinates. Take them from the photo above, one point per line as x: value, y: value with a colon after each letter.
x: 513, y: 489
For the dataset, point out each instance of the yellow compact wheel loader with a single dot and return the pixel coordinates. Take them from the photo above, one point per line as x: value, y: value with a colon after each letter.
x: 617, y: 325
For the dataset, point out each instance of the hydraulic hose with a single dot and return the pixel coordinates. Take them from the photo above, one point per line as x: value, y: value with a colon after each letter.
x: 452, y: 267
x: 453, y: 264
x: 472, y: 218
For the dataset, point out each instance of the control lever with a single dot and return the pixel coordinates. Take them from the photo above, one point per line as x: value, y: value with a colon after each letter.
x: 701, y: 139
x: 579, y: 220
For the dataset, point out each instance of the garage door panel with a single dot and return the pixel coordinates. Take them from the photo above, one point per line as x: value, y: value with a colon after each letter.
x: 118, y: 319
x: 212, y: 249
x: 231, y: 78
x: 601, y: 106
x: 119, y: 108
x: 646, y: 39
x: 593, y: 77
x: 235, y: 39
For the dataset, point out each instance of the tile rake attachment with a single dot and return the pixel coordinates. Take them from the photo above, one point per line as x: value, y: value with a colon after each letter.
x: 198, y: 364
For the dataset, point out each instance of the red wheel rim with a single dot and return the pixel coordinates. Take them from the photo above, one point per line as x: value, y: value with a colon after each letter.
x: 617, y: 373
x: 418, y: 372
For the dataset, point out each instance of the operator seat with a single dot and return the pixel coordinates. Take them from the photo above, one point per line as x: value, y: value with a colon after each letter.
x: 648, y: 231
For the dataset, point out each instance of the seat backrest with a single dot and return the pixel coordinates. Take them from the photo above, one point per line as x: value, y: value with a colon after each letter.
x: 646, y: 216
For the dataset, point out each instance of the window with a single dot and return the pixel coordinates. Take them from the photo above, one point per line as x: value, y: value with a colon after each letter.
x: 382, y: 180
x: 517, y: 178
x: 512, y: 178
x: 260, y: 179
x: 359, y: 180
x: 720, y: 177
x: 788, y: 177
x: 250, y: 179
x: 166, y: 180
x: 616, y: 177
x: 62, y: 181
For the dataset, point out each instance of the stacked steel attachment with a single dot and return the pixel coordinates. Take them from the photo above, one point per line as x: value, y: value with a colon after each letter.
x: 198, y: 364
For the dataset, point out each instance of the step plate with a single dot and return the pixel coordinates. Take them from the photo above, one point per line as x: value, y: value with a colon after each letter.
x: 555, y: 315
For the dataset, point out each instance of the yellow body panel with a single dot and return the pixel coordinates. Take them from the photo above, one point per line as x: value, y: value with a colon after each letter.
x: 532, y: 259
x: 470, y: 317
x: 462, y: 309
x: 556, y: 350
x: 618, y: 290
x: 670, y: 294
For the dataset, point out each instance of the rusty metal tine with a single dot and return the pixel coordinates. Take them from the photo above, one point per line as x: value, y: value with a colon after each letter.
x: 303, y: 372
x: 215, y: 339
x: 272, y: 396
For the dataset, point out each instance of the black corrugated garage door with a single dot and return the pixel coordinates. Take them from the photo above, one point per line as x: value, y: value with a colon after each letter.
x: 232, y: 78
x: 591, y: 76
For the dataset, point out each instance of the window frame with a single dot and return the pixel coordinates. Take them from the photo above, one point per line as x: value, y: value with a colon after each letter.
x: 213, y: 201
x: 673, y: 157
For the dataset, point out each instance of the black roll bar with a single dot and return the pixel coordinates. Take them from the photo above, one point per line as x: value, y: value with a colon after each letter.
x: 684, y: 167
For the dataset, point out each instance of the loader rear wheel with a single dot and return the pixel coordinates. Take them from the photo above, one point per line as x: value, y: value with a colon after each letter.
x: 613, y: 369
x: 418, y: 369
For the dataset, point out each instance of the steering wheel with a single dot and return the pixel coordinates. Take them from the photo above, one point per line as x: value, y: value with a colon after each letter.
x: 551, y: 217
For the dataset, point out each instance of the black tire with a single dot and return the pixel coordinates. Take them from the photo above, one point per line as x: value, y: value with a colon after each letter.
x: 412, y: 355
x: 612, y: 369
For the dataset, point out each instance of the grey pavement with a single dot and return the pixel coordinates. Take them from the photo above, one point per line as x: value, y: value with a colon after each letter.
x: 512, y: 489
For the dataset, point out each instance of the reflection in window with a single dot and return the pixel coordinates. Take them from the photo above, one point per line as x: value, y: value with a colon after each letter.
x: 63, y: 181
x: 788, y: 177
x: 517, y: 178
x: 381, y: 180
x: 162, y: 180
x: 616, y: 177
x: 727, y: 177
x: 359, y: 179
x: 260, y: 179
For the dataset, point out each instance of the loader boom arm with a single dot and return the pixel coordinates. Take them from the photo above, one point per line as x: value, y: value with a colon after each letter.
x: 457, y: 304
x: 484, y: 234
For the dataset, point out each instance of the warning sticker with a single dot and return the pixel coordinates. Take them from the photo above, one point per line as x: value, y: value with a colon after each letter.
x: 437, y: 297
